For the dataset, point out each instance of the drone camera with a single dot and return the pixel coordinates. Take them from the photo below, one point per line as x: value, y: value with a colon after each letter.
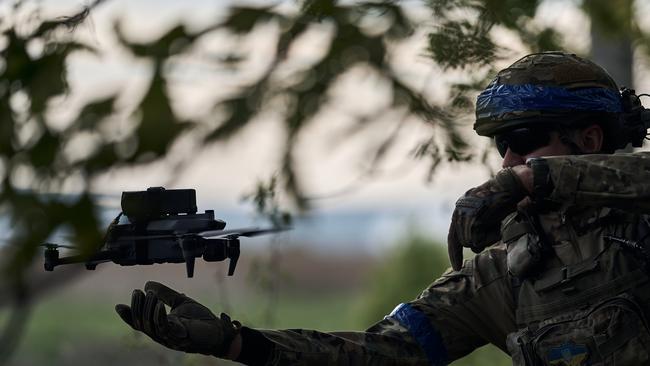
x: 157, y: 203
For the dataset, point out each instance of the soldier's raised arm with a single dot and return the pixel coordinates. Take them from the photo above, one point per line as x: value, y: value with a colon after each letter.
x: 619, y: 181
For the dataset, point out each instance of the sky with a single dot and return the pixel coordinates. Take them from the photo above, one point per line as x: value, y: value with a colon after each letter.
x: 367, y: 210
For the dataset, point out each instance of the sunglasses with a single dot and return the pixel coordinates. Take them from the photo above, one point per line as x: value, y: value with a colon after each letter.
x: 522, y: 141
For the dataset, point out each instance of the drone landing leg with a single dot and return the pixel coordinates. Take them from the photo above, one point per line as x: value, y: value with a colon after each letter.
x: 233, y: 254
x: 188, y: 254
x: 189, y: 265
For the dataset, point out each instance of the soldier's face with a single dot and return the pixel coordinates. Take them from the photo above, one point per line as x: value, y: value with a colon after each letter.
x: 517, y: 146
x: 554, y: 147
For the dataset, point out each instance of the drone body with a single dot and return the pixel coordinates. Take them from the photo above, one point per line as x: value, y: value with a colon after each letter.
x: 162, y: 227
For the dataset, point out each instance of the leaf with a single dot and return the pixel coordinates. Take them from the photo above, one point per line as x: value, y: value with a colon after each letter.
x: 94, y: 112
x: 611, y: 17
x: 461, y: 44
x: 17, y: 59
x: 171, y: 43
x: 6, y: 128
x: 158, y: 126
x: 241, y: 109
x: 509, y: 13
x: 104, y: 159
x: 242, y: 20
x: 292, y: 183
x: 69, y: 22
x: 43, y: 153
x: 43, y: 77
x: 85, y: 224
x: 321, y: 9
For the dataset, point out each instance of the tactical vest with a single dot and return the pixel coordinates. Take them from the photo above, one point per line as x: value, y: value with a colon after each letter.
x: 581, y: 287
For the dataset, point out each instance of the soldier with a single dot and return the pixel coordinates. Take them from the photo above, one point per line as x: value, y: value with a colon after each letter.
x: 560, y: 277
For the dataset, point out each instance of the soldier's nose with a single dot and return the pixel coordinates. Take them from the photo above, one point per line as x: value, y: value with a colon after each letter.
x: 511, y: 159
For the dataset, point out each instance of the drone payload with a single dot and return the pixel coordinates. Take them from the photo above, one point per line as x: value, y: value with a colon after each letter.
x: 163, y: 227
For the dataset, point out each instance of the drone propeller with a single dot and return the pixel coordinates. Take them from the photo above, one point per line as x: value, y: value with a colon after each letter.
x: 212, y: 234
x: 56, y: 246
x: 245, y: 232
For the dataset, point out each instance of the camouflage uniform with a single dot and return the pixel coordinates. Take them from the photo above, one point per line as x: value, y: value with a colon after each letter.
x: 585, y: 303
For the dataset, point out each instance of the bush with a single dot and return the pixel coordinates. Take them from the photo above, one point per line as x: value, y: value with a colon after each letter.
x: 406, y: 271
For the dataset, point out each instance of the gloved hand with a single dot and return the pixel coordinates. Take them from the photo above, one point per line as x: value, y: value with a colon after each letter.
x: 475, y: 223
x: 189, y: 327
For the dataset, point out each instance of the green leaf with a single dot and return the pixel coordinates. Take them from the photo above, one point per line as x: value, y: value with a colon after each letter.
x: 242, y: 20
x: 461, y: 44
x: 241, y: 109
x: 321, y: 9
x: 171, y: 43
x: 94, y: 112
x: 43, y: 153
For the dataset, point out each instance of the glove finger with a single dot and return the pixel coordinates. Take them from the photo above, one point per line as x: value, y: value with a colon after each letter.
x: 455, y: 256
x: 148, y: 312
x: 454, y: 246
x: 165, y: 294
x: 225, y: 318
x: 160, y: 320
x: 124, y: 311
x: 137, y: 308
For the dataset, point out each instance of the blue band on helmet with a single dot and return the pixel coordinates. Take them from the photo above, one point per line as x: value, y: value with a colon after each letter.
x: 423, y: 332
x: 502, y: 98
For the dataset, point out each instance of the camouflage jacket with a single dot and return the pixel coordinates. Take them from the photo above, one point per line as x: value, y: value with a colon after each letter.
x: 585, y: 301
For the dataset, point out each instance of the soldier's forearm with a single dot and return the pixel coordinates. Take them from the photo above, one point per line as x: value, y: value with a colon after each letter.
x: 314, y: 348
x: 251, y: 348
x: 618, y: 181
x: 235, y: 348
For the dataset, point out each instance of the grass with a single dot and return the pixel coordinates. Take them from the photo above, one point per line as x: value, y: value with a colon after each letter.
x: 63, y: 331
x: 60, y: 327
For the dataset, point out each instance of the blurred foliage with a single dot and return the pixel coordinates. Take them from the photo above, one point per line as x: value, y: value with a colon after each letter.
x: 404, y: 273
x: 266, y: 274
x: 614, y: 17
x: 40, y: 158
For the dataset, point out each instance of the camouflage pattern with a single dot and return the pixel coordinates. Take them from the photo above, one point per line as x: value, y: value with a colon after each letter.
x: 588, y: 299
x: 620, y: 181
x: 586, y: 302
x: 553, y: 68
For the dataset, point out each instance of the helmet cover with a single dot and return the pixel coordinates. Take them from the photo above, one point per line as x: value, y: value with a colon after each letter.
x: 545, y: 89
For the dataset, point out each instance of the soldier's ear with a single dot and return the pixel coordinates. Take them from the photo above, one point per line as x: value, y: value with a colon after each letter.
x: 590, y: 139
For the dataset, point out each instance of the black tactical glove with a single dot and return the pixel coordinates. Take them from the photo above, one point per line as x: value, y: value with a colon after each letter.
x: 189, y: 327
x: 475, y: 223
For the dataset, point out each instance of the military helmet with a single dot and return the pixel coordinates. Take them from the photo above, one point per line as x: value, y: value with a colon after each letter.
x: 549, y: 88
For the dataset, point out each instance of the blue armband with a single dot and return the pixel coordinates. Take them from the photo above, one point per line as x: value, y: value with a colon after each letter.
x: 424, y: 333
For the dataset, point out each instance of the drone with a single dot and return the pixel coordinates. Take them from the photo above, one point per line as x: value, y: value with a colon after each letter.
x: 163, y: 227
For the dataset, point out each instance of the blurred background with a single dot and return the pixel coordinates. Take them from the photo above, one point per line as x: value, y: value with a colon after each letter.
x: 352, y: 118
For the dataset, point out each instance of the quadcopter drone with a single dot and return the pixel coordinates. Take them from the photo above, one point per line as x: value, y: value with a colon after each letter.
x: 163, y: 227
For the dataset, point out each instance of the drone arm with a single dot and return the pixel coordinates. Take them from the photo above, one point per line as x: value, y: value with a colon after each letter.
x: 93, y: 260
